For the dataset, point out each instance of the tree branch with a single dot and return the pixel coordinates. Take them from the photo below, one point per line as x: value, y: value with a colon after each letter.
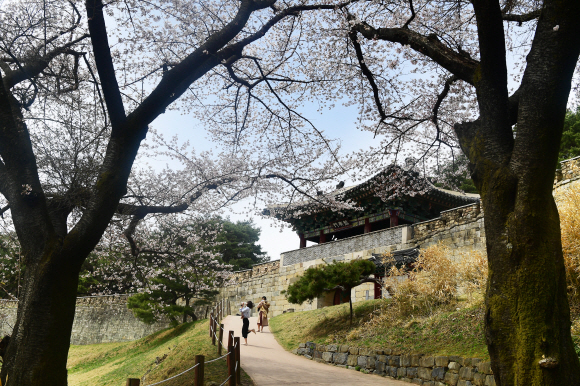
x: 460, y: 65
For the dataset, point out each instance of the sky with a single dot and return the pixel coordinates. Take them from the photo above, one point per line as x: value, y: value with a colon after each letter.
x: 339, y: 122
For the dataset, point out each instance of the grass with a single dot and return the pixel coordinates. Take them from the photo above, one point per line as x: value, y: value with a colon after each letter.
x: 157, y: 357
x: 455, y: 329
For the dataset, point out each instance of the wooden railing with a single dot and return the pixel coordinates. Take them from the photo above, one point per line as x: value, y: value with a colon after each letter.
x: 216, y: 333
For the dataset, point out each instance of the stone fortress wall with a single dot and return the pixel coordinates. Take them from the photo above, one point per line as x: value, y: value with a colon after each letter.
x: 461, y: 229
x: 98, y: 319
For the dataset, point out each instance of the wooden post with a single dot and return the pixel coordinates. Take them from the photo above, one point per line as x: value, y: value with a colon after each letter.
x: 221, y: 340
x: 210, y: 324
x: 214, y: 324
x: 322, y: 238
x: 394, y: 217
x: 302, y: 240
x: 232, y: 366
x: 239, y: 369
x: 133, y: 382
x: 230, y: 338
x: 198, y: 377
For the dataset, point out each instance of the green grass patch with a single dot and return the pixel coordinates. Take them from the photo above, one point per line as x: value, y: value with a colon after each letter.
x: 450, y: 330
x: 156, y: 357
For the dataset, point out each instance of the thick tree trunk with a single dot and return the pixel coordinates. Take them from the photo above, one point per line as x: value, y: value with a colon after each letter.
x: 38, y: 350
x: 527, y: 313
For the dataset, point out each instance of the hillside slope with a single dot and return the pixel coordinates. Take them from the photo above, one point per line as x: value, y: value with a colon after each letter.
x: 157, y: 357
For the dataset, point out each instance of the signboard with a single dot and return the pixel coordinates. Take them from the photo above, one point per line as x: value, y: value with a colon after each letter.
x: 341, y: 224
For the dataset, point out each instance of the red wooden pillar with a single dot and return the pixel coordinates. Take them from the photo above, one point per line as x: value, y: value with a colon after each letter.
x: 394, y: 217
x: 322, y: 237
x: 302, y: 240
x: 367, y: 225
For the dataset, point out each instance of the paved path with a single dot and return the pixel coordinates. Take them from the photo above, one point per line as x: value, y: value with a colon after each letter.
x: 270, y: 365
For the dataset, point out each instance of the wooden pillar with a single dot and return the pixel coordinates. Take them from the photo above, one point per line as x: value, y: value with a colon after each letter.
x: 211, y: 324
x: 221, y: 340
x: 394, y: 217
x: 367, y: 225
x: 239, y: 369
x: 230, y: 338
x: 198, y: 377
x: 231, y: 366
x: 322, y: 237
x: 133, y: 382
x: 302, y: 240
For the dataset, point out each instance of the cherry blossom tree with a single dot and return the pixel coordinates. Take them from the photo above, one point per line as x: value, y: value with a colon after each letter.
x: 440, y: 77
x: 78, y: 98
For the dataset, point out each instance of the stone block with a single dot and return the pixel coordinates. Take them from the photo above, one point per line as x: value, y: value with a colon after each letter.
x: 302, y: 345
x: 395, y: 361
x: 411, y: 372
x: 332, y: 348
x: 393, y: 371
x: 327, y: 356
x: 440, y: 384
x: 387, y: 351
x: 489, y: 380
x: 319, y: 360
x: 311, y: 345
x: 466, y: 373
x: 417, y: 381
x: 401, y: 372
x: 343, y: 348
x: 317, y: 354
x: 405, y: 360
x: 406, y: 380
x: 362, y: 361
x: 301, y: 351
x: 340, y: 358
x: 438, y: 373
x: 441, y: 361
x: 427, y: 361
x: 352, y: 360
x: 424, y: 373
x: 484, y: 367
x: 415, y: 359
x: 370, y: 362
x: 382, y: 358
x: 464, y: 383
x: 307, y: 357
x: 379, y: 352
x: 366, y: 352
x: 454, y: 367
x: 479, y: 379
x: 321, y: 347
x: 451, y: 378
x: 475, y: 361
x: 428, y: 383
x: 454, y: 358
x: 380, y: 366
x: 353, y: 350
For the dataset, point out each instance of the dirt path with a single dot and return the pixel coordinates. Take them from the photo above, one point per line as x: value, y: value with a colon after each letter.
x: 269, y: 364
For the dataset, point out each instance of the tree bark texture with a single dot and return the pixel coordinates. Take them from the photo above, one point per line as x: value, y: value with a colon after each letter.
x: 527, y: 319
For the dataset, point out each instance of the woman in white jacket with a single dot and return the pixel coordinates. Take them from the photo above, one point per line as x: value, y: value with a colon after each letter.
x: 245, y: 311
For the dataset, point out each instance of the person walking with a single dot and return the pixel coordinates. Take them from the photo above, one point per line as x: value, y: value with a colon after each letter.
x: 245, y: 311
x: 263, y: 308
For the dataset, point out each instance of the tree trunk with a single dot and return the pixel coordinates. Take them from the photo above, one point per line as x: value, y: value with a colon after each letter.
x: 40, y: 341
x: 527, y: 314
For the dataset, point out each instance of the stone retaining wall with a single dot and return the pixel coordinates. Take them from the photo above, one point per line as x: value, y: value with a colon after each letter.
x: 422, y: 370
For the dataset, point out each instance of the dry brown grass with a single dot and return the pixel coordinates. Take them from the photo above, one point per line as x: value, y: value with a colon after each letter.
x: 568, y: 202
x: 436, y: 279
